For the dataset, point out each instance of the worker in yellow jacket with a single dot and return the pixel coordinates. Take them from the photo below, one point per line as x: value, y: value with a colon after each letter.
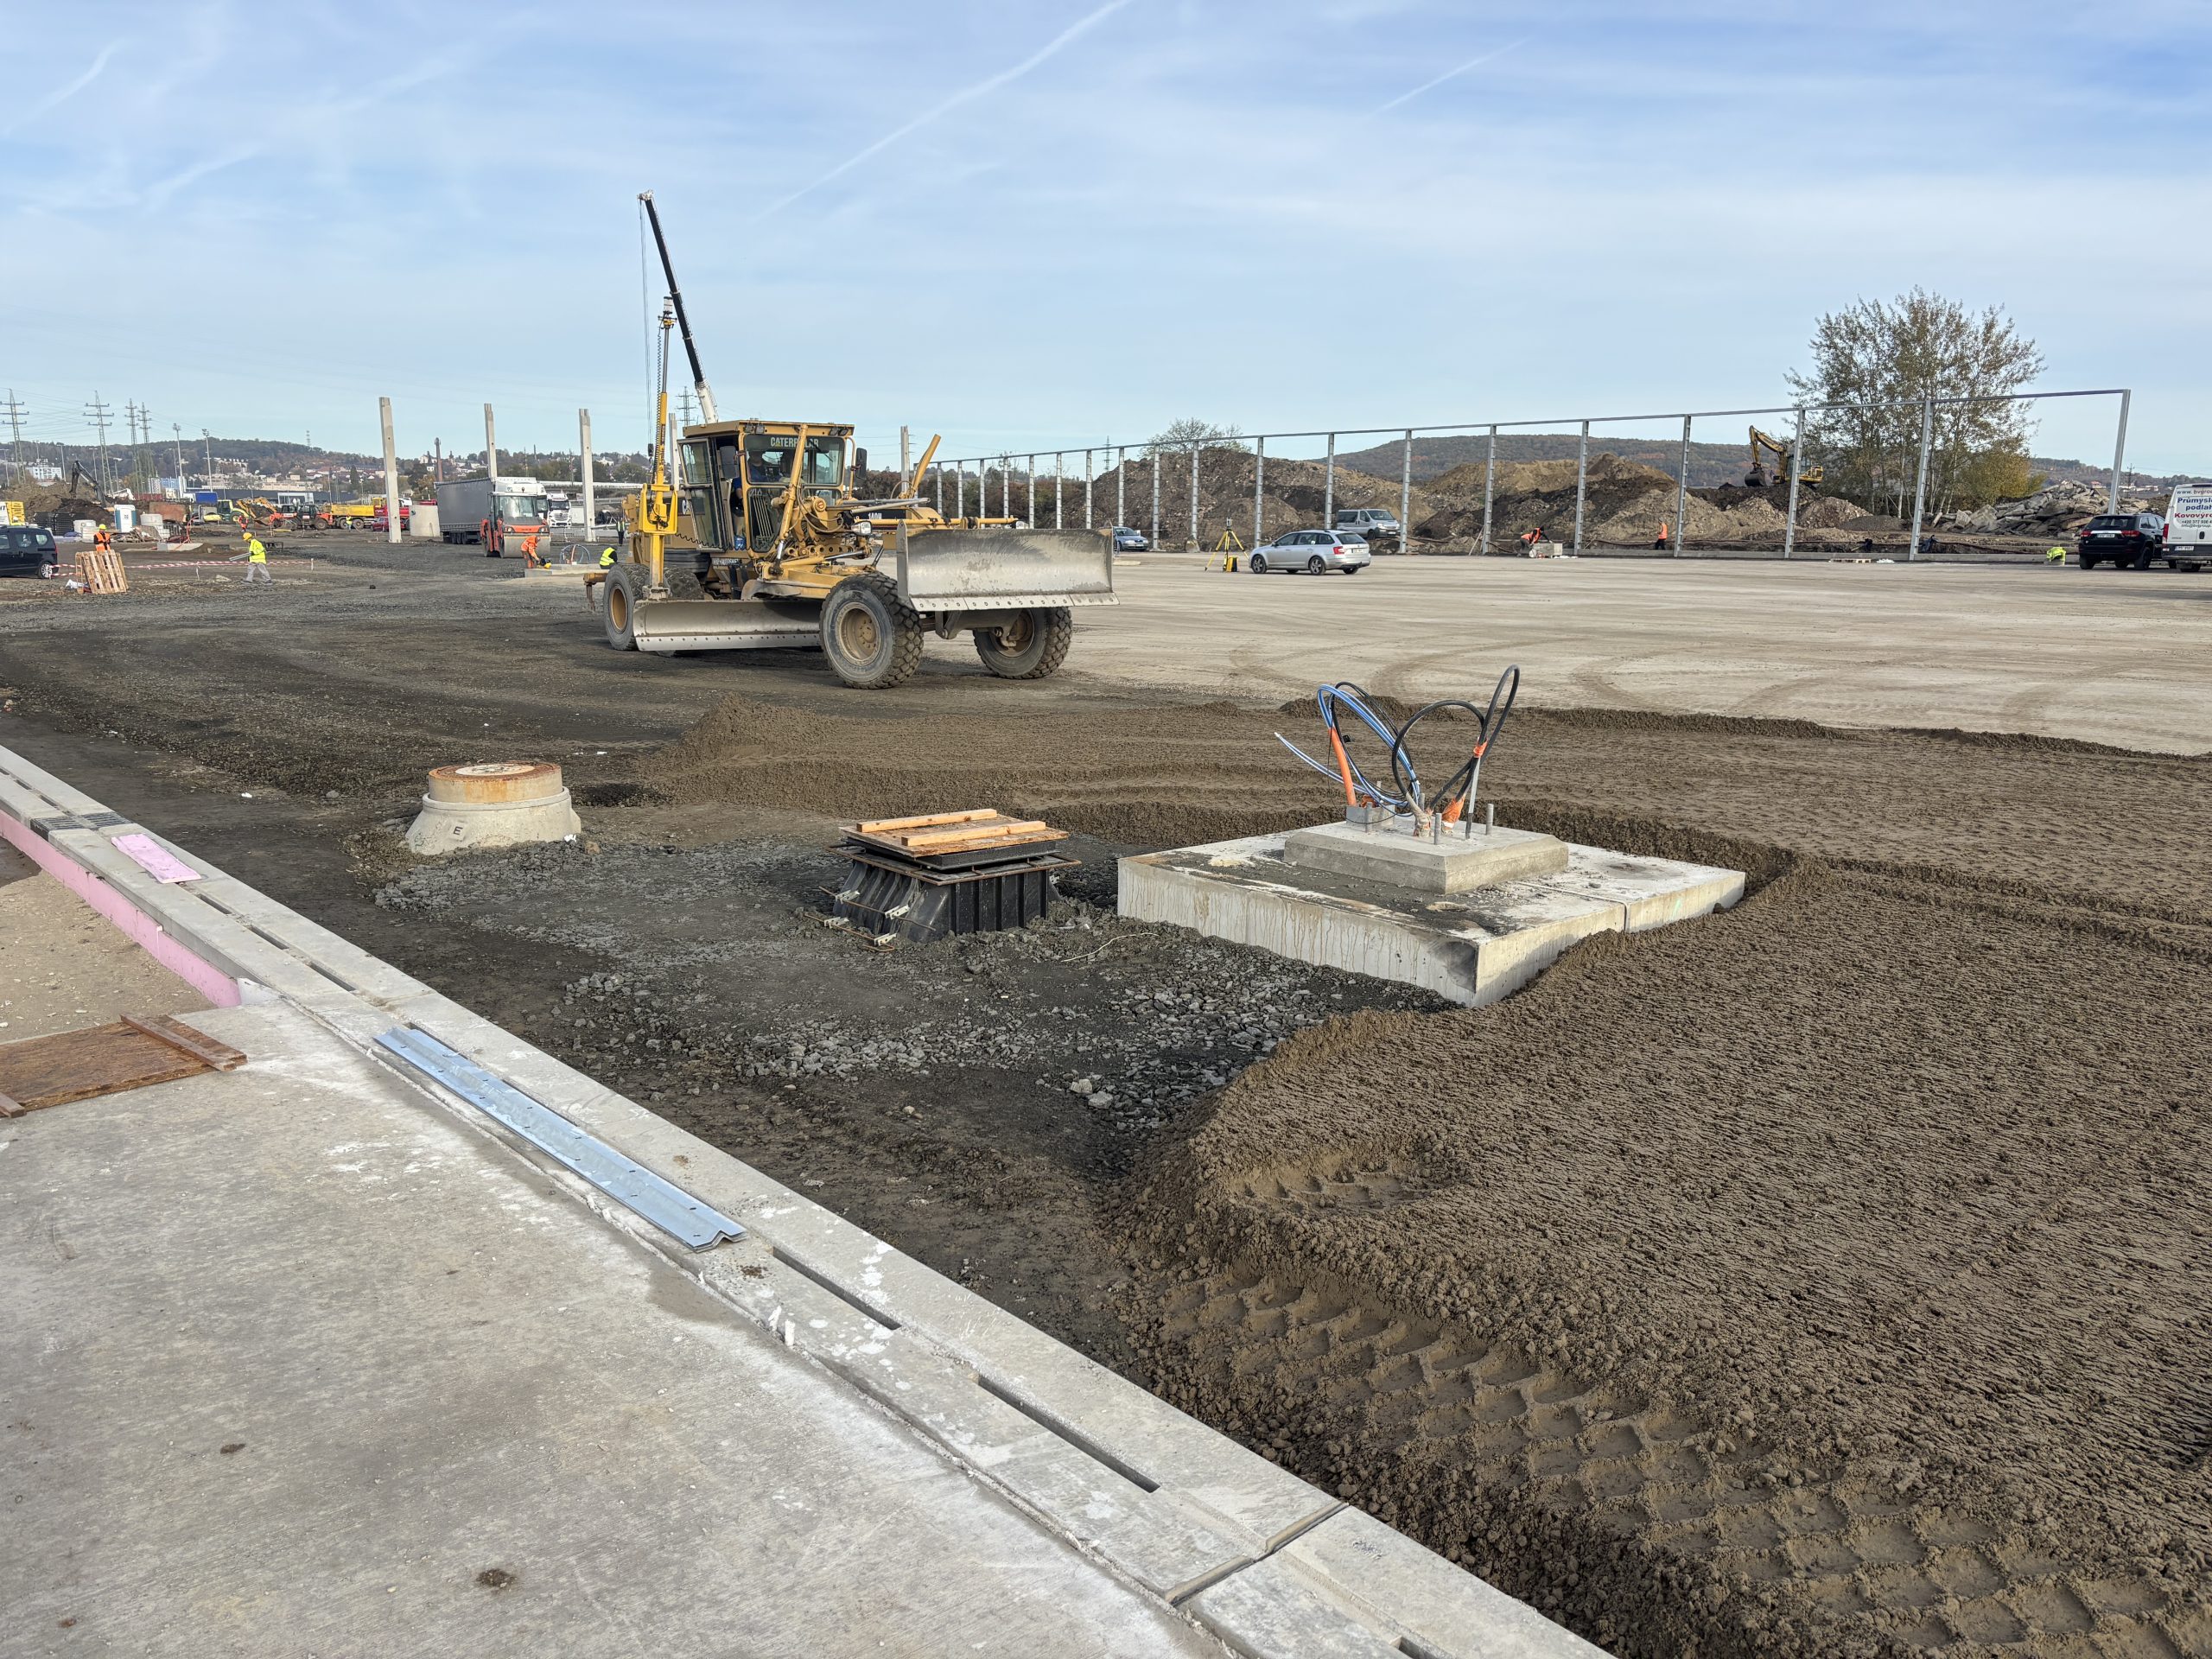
x: 257, y: 562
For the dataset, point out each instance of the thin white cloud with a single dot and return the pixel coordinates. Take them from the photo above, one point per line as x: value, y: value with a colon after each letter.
x: 1430, y: 86
x: 54, y: 100
x: 966, y: 95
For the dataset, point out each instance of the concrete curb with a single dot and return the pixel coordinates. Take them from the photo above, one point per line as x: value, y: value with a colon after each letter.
x: 1272, y: 1565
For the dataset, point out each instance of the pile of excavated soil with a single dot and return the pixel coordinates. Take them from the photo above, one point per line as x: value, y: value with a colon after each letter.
x: 1827, y: 1274
x: 1828, y: 1277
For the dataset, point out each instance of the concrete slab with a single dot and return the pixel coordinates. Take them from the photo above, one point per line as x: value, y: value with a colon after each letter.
x: 1449, y: 862
x: 299, y: 1382
x: 1471, y: 947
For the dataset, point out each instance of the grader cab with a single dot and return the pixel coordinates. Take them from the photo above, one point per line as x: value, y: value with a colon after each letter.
x: 755, y: 537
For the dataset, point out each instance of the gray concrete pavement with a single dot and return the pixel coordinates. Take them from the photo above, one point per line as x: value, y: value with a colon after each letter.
x: 2122, y: 658
x: 292, y: 1364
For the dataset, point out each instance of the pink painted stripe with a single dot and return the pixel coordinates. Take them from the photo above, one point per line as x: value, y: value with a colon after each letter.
x: 218, y: 987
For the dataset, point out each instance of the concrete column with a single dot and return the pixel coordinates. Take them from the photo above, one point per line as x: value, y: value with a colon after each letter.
x: 583, y: 447
x: 2118, y: 455
x: 1682, y: 492
x: 391, y: 475
x: 1155, y: 495
x: 1258, y: 490
x: 1490, y: 487
x: 1406, y: 499
x: 1920, y: 489
x: 1196, y: 542
x: 1797, y: 465
x: 491, y: 447
x: 1581, y: 479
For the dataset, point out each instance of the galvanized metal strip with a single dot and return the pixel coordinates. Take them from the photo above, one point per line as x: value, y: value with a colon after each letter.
x: 668, y: 1207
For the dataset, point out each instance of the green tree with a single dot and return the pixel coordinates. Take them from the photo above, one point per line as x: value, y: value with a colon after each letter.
x: 1876, y: 362
x: 1179, y: 436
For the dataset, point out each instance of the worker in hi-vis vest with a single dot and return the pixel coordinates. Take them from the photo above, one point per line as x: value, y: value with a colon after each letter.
x: 607, y: 559
x: 256, y: 561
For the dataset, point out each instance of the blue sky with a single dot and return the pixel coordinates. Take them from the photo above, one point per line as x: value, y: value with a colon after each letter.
x: 1046, y: 224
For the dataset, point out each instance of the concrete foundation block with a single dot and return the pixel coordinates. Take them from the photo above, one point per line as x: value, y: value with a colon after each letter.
x: 1471, y: 947
x: 1451, y: 861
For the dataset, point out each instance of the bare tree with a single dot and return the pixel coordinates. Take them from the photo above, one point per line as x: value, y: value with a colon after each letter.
x: 1180, y: 436
x: 1876, y: 362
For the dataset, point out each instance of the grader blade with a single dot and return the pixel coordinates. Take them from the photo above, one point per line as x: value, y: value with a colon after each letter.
x: 1005, y: 569
x: 672, y: 624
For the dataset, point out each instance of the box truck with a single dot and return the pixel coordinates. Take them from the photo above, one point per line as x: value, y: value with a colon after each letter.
x: 490, y: 510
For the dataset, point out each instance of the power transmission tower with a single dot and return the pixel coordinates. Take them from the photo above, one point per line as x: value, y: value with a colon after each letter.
x: 97, y: 412
x: 16, y: 429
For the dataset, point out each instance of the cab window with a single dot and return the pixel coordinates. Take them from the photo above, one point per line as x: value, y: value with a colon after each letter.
x: 825, y: 463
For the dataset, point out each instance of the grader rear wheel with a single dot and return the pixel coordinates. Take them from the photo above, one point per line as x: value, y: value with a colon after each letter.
x: 872, y: 639
x: 1027, y: 645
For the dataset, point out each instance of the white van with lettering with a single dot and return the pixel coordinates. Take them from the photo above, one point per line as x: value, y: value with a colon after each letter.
x: 2189, y: 527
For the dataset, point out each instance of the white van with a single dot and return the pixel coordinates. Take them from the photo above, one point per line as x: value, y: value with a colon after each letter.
x: 2189, y: 526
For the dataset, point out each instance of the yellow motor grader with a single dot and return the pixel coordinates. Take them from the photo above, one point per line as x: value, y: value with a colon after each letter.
x: 755, y: 537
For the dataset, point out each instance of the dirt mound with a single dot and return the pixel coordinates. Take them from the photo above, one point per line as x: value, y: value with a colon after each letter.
x: 1463, y: 483
x: 1865, y: 1314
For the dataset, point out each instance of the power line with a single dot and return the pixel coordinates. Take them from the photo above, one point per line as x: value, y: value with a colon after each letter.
x: 97, y: 412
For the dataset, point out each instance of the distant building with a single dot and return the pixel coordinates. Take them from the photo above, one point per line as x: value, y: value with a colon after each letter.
x: 43, y: 471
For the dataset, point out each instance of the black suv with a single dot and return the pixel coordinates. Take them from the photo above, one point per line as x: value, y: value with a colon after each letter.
x: 25, y: 551
x: 2129, y: 540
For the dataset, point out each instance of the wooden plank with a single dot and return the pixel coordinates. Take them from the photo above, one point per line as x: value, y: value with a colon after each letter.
x: 219, y: 1057
x: 930, y: 841
x: 70, y: 1065
x: 892, y: 826
x: 11, y: 1108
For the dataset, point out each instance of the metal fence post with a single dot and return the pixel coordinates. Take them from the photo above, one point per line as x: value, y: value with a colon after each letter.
x: 1490, y: 486
x: 1086, y: 489
x: 1194, y: 498
x: 1059, y: 491
x: 1920, y: 489
x: 1581, y: 477
x: 1797, y: 467
x: 959, y: 491
x: 1155, y: 496
x: 2118, y: 455
x: 939, y: 470
x: 1005, y: 486
x: 1681, y: 493
x: 1329, y: 488
x: 1406, y: 499
x: 1032, y: 492
x: 1258, y: 490
x: 1121, y: 486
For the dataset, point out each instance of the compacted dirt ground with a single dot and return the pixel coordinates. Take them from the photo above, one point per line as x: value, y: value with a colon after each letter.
x: 1826, y: 1277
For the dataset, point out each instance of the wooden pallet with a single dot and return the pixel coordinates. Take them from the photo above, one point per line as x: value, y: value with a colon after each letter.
x: 101, y: 571
x: 978, y: 829
x: 131, y: 1054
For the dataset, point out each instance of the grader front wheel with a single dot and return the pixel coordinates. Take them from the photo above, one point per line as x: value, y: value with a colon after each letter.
x: 872, y: 639
x: 1027, y: 644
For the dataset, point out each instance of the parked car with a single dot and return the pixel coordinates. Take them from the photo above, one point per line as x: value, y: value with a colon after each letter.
x: 26, y: 552
x: 1368, y: 522
x: 2123, y: 538
x: 1130, y: 541
x: 1316, y: 552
